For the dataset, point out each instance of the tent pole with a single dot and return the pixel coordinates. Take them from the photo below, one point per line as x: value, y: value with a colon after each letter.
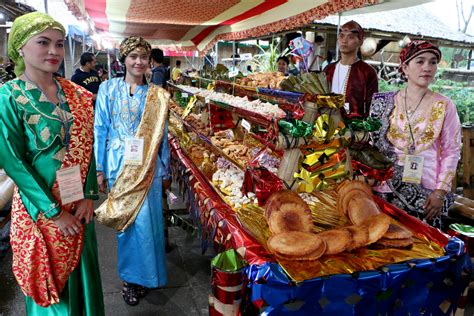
x: 109, y: 71
x: 71, y: 51
x: 337, y: 34
x: 233, y: 55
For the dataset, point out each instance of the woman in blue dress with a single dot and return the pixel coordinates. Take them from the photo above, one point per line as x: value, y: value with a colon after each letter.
x: 132, y: 153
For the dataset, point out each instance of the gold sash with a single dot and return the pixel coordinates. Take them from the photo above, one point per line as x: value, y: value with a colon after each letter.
x: 131, y: 187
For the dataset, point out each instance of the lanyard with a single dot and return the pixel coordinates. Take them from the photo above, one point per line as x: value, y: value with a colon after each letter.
x: 132, y: 124
x: 412, y: 148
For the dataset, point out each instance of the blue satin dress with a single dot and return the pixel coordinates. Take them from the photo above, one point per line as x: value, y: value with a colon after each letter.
x: 141, y: 247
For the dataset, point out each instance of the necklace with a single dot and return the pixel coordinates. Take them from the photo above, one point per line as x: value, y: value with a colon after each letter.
x: 346, y: 79
x: 412, y: 147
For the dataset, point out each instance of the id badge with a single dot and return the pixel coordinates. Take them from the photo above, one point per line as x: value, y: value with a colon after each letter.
x: 413, y: 169
x: 70, y: 184
x: 133, y: 151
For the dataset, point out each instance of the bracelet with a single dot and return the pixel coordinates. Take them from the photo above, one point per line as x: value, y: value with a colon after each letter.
x: 55, y: 217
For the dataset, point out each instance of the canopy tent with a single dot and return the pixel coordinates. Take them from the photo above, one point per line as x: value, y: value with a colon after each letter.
x: 198, y: 24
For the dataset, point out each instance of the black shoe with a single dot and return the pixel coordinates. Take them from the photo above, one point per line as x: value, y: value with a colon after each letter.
x: 130, y: 293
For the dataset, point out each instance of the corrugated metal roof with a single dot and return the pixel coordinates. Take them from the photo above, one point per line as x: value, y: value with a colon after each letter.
x: 415, y: 21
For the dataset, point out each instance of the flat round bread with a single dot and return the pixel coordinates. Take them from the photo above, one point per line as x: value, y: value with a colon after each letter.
x: 377, y: 226
x: 290, y: 217
x: 360, y: 237
x: 309, y: 257
x: 281, y: 197
x: 336, y: 240
x: 397, y: 232
x: 296, y: 244
x: 356, y: 193
x: 361, y: 208
x: 395, y: 243
x: 354, y: 184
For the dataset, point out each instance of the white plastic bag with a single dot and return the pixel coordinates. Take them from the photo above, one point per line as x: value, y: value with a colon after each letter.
x: 6, y: 189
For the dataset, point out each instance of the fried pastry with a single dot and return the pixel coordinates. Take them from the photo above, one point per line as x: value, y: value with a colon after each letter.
x: 377, y: 226
x: 360, y: 237
x: 282, y: 197
x: 297, y: 245
x: 290, y: 217
x: 361, y: 208
x: 397, y: 232
x: 336, y: 240
x: 393, y: 243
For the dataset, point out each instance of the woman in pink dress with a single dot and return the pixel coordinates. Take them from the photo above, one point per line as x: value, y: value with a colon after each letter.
x: 421, y: 132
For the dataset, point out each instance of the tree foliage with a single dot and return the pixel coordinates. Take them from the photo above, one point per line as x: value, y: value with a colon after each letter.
x: 460, y: 93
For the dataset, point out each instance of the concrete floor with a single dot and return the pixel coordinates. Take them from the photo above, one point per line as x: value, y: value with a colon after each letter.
x: 185, y: 294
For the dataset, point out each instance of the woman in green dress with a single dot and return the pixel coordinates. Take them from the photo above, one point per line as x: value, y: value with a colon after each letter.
x: 46, y: 136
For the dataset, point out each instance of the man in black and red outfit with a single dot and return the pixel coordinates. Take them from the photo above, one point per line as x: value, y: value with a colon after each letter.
x: 351, y: 76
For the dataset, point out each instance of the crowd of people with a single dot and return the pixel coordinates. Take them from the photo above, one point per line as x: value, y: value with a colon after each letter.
x: 64, y: 141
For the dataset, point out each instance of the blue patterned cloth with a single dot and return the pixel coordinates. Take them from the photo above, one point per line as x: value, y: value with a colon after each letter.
x: 416, y: 287
x: 141, y: 247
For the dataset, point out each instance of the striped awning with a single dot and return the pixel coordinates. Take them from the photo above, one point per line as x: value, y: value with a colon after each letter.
x: 197, y: 24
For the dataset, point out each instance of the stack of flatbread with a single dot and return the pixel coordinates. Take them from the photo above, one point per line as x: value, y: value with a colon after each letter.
x: 291, y: 226
x: 355, y: 203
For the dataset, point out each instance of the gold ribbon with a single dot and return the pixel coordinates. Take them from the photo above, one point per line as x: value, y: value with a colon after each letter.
x: 325, y: 128
x: 320, y: 180
x: 189, y: 107
x: 335, y: 101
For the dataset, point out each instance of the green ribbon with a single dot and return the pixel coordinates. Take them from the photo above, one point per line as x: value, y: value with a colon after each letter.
x: 228, y: 261
x: 466, y: 230
x: 368, y: 125
x: 295, y: 128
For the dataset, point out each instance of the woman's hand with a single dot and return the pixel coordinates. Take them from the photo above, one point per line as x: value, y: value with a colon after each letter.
x: 68, y: 224
x: 102, y: 182
x: 434, y: 204
x: 84, y: 210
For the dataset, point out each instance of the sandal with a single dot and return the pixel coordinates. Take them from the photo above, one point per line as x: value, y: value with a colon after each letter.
x: 141, y: 290
x: 130, y: 294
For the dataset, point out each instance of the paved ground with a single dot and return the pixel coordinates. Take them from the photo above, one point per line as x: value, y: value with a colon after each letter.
x: 185, y: 294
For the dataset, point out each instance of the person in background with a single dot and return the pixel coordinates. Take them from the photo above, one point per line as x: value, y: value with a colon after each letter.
x: 283, y: 62
x: 133, y: 160
x: 86, y: 75
x: 350, y: 76
x: 316, y: 57
x: 421, y: 132
x: 158, y: 70
x: 115, y: 67
x: 329, y: 59
x: 46, y: 136
x: 176, y: 73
